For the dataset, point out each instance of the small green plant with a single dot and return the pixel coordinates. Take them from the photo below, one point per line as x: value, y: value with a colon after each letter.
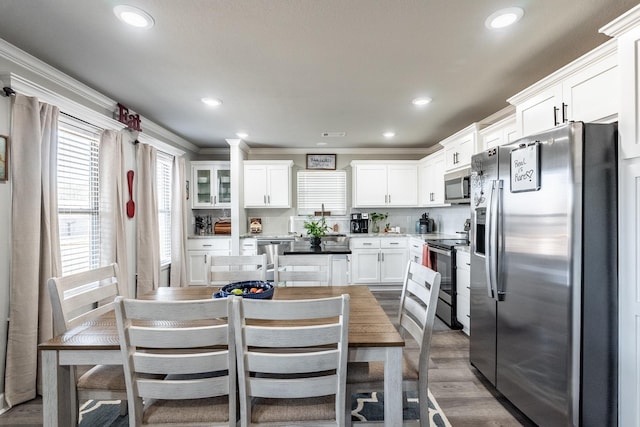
x: 316, y: 228
x: 375, y: 217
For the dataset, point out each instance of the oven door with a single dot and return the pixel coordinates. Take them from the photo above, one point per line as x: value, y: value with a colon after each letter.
x: 442, y: 262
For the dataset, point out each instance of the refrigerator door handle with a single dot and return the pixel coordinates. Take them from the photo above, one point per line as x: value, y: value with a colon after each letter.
x: 491, y: 237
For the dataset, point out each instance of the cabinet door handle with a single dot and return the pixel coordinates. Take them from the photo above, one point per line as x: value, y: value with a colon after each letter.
x: 215, y: 199
x: 564, y: 112
x: 394, y: 243
x: 555, y: 116
x: 382, y: 257
x: 268, y: 199
x: 206, y: 246
x: 378, y: 256
x: 264, y: 199
x: 389, y: 198
x: 205, y: 258
x: 366, y: 244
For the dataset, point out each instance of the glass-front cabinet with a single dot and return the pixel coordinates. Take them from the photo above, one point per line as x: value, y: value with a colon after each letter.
x: 210, y: 185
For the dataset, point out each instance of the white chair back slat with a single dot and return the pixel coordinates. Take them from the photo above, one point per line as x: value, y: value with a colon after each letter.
x: 303, y: 270
x: 293, y: 389
x: 238, y: 268
x: 90, y: 296
x: 292, y: 310
x: 303, y: 362
x: 179, y: 337
x: 176, y: 311
x: 76, y: 320
x: 293, y: 337
x: 153, y: 363
x: 107, y: 273
x: 182, y: 390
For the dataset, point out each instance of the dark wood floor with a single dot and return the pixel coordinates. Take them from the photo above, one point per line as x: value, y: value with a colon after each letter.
x: 459, y: 391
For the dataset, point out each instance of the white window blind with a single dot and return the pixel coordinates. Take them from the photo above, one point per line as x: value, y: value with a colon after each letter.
x: 78, y: 195
x: 163, y: 176
x: 322, y: 187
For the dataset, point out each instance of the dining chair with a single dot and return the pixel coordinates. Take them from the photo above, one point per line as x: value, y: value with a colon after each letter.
x: 82, y: 297
x: 179, y: 361
x: 416, y: 316
x: 238, y: 268
x: 303, y: 270
x: 292, y: 359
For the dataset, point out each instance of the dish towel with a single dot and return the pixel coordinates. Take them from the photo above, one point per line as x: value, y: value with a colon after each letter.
x: 426, y: 256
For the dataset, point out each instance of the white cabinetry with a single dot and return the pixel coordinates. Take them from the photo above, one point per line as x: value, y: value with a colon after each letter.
x: 431, y: 180
x: 199, y: 253
x: 415, y: 249
x: 581, y: 91
x: 499, y: 133
x: 626, y: 29
x: 385, y: 183
x: 459, y: 147
x: 248, y: 246
x: 267, y: 184
x: 463, y: 280
x: 210, y: 185
x: 378, y: 260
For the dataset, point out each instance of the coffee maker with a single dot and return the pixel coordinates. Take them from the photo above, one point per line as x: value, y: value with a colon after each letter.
x: 359, y: 222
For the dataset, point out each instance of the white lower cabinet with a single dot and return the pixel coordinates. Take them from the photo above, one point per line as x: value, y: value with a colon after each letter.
x: 199, y: 253
x: 378, y: 260
x: 463, y: 281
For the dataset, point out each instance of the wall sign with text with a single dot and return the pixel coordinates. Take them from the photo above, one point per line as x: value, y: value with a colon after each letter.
x: 525, y: 168
x: 321, y: 161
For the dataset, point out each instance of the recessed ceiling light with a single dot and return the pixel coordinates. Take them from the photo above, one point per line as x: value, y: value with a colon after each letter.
x: 423, y: 100
x: 389, y: 134
x: 133, y: 16
x: 212, y: 102
x: 242, y: 135
x: 504, y: 17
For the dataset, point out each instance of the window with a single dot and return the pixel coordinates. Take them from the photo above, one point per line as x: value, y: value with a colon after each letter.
x: 316, y: 189
x: 78, y: 195
x: 163, y: 177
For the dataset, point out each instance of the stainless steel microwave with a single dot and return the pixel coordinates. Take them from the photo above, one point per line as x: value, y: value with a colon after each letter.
x: 457, y: 187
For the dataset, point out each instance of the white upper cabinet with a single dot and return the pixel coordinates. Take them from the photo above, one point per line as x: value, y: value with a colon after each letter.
x: 267, y: 184
x: 459, y: 147
x: 626, y: 30
x: 210, y: 185
x: 499, y: 133
x: 431, y: 180
x: 585, y: 90
x: 385, y: 183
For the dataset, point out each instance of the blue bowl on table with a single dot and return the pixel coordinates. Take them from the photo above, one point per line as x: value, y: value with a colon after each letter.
x: 246, y: 286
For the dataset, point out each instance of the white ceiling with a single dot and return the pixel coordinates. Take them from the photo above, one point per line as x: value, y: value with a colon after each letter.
x: 288, y: 70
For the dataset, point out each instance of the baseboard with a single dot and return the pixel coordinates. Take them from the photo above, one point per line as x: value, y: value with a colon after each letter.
x: 3, y: 407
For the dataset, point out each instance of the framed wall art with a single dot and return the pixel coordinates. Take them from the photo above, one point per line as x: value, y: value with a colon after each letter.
x: 321, y: 161
x: 4, y: 158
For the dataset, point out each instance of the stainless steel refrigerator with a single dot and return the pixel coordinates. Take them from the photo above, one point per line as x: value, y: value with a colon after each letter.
x: 544, y: 273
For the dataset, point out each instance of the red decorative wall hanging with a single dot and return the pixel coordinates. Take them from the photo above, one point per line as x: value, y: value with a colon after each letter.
x: 131, y: 120
x: 131, y: 206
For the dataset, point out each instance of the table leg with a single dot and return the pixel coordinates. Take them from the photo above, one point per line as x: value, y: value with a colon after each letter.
x: 57, y: 398
x: 393, y: 386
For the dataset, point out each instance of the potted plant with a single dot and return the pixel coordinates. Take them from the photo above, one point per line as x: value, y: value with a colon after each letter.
x: 316, y: 229
x: 375, y: 217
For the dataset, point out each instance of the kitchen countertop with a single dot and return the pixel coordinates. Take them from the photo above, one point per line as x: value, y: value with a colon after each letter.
x: 304, y: 248
x: 208, y: 236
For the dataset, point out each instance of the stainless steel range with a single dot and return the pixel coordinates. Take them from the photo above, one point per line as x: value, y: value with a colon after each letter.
x: 273, y: 246
x: 442, y: 259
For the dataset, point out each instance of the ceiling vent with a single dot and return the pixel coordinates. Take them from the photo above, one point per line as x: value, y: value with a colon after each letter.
x: 333, y: 134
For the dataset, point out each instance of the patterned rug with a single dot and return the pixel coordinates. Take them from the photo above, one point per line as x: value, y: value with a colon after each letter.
x: 365, y: 407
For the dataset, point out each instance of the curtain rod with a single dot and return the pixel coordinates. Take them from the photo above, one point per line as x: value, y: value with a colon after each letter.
x: 8, y: 91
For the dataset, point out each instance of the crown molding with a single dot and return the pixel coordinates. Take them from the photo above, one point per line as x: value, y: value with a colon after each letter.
x: 623, y: 23
x: 606, y: 49
x: 386, y: 151
x: 53, y: 75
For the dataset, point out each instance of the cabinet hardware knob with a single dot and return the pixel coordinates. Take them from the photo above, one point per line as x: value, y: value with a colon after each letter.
x: 555, y: 116
x: 564, y: 112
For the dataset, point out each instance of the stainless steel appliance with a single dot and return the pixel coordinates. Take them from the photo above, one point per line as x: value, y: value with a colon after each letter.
x: 359, y: 222
x: 543, y: 273
x: 273, y: 246
x: 443, y: 260
x: 456, y: 186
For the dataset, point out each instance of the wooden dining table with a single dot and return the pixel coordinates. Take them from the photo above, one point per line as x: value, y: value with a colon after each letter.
x: 372, y: 337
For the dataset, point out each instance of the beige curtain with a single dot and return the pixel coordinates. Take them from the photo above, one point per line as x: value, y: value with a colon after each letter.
x: 178, y: 224
x: 148, y: 229
x: 35, y: 247
x: 113, y: 238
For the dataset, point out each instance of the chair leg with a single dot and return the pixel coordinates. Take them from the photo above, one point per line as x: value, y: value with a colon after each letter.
x: 347, y: 406
x: 123, y: 408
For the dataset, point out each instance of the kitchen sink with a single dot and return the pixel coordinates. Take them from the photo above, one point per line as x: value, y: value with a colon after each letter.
x: 329, y: 239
